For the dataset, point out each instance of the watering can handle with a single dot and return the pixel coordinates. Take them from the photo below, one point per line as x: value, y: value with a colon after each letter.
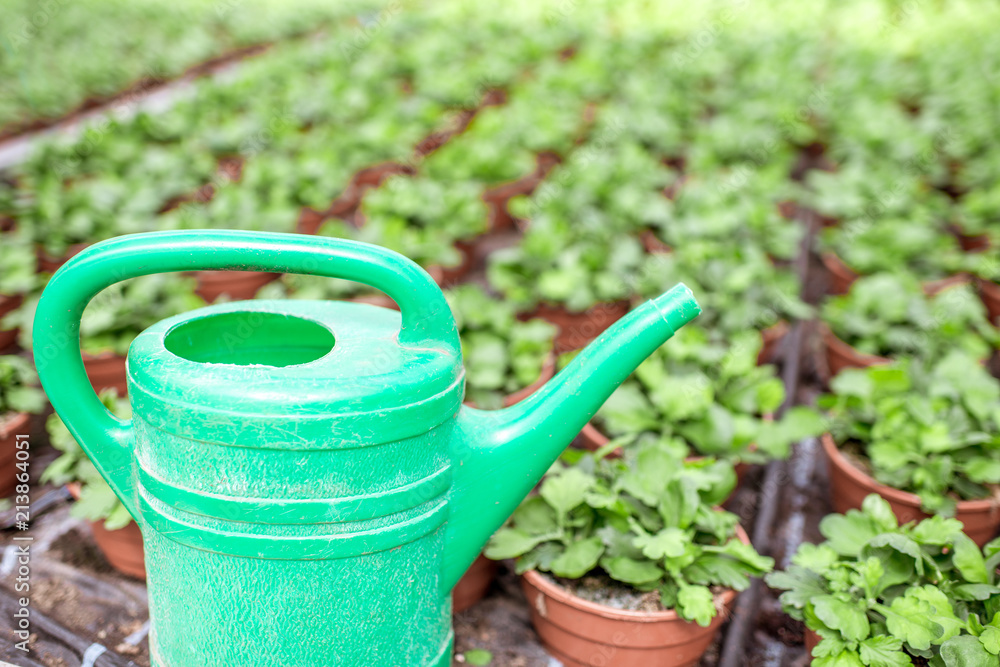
x: 426, y: 319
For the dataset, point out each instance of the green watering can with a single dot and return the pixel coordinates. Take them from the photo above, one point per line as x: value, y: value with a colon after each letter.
x: 308, y: 483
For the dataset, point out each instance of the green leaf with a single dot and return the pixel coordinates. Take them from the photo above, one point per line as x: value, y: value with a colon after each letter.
x: 512, y: 542
x: 966, y: 651
x: 668, y: 543
x: 579, y: 558
x: 846, y: 658
x: 990, y: 639
x: 695, y: 603
x: 478, y: 657
x: 631, y: 571
x: 848, y: 617
x: 969, y: 560
x: 882, y: 651
x: 566, y: 490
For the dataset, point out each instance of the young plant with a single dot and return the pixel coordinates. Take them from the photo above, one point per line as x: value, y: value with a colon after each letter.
x: 889, y: 315
x: 18, y: 387
x: 647, y: 521
x: 17, y: 257
x: 556, y: 264
x: 423, y: 218
x: 710, y: 394
x: 738, y: 285
x: 884, y: 595
x: 896, y: 245
x: 502, y: 355
x: 932, y: 429
x: 97, y: 501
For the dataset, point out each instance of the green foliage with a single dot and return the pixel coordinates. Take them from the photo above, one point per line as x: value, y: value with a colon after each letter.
x: 896, y: 244
x: 930, y: 429
x: 710, y: 394
x: 890, y: 315
x: 18, y: 390
x: 881, y: 595
x: 17, y: 257
x: 97, y: 501
x: 502, y: 355
x: 422, y: 218
x: 478, y: 656
x: 648, y: 520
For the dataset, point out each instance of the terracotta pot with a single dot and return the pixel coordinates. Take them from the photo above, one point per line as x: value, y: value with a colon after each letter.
x: 10, y: 426
x: 989, y: 292
x: 652, y: 243
x: 449, y: 275
x: 771, y: 339
x: 122, y: 548
x: 578, y: 329
x: 849, y: 486
x: 8, y: 337
x: 238, y: 285
x: 839, y: 355
x: 547, y: 373
x: 106, y: 371
x: 811, y: 639
x: 472, y: 587
x: 580, y: 633
x: 49, y: 264
x: 932, y: 287
x: 499, y: 196
x: 374, y: 175
x: 971, y: 242
x: 840, y: 277
x: 310, y: 220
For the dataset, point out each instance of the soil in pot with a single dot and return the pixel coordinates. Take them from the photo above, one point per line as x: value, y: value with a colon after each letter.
x: 589, y: 633
x: 106, y: 371
x: 839, y: 355
x: 578, y: 329
x: 849, y: 485
x: 122, y: 548
x: 989, y: 292
x: 10, y: 426
x: 8, y: 337
x: 237, y: 285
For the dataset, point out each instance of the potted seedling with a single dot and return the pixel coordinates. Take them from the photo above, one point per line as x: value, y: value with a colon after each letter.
x: 19, y: 399
x: 889, y: 315
x: 739, y: 286
x: 629, y: 558
x: 117, y: 535
x: 17, y: 278
x: 892, y: 245
x: 505, y: 359
x: 880, y: 594
x: 923, y: 435
x: 430, y: 221
x: 978, y: 218
x: 709, y: 393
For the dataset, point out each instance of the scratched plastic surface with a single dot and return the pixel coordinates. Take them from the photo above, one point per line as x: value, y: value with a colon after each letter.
x: 308, y: 484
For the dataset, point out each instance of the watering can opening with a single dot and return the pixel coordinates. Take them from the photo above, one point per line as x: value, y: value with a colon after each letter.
x: 250, y: 338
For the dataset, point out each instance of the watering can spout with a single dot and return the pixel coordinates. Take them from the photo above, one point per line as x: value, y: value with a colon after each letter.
x: 498, y: 456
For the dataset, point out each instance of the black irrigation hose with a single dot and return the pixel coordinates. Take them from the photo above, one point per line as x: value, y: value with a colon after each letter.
x: 747, y: 605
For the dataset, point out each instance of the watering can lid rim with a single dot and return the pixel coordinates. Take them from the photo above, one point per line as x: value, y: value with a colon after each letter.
x: 369, y: 387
